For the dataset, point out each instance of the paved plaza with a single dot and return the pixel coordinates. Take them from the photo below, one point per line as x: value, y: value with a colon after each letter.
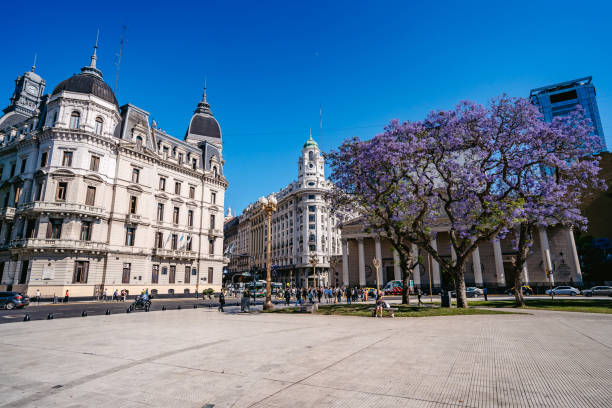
x: 201, y: 358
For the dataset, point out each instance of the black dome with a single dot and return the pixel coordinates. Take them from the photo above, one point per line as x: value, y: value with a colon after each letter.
x: 204, y: 126
x: 87, y: 84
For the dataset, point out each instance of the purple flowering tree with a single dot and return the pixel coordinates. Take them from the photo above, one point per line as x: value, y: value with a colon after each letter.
x: 456, y: 171
x: 559, y: 168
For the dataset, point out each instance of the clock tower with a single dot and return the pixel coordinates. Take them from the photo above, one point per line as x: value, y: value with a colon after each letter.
x: 28, y: 93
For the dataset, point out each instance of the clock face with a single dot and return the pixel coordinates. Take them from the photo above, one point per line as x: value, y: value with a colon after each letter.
x: 31, y: 89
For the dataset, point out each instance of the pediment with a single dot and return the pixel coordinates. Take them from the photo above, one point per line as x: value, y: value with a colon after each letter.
x: 63, y: 173
x: 134, y: 189
x: 161, y: 197
x: 177, y: 200
x: 93, y: 179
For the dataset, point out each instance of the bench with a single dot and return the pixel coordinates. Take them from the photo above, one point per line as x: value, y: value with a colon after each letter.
x: 307, y: 308
x: 391, y: 311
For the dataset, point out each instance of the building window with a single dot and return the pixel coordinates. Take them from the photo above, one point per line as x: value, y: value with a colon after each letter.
x: 90, y: 198
x: 43, y: 160
x: 54, y: 228
x: 175, y: 215
x: 313, y: 248
x: 155, y: 274
x: 212, y: 221
x: 81, y: 269
x: 191, y: 192
x: 133, y: 201
x: 177, y: 188
x: 189, y: 241
x: 38, y: 192
x: 165, y: 152
x: 75, y: 119
x: 180, y: 158
x: 67, y: 159
x: 210, y: 275
x: 61, y: 191
x: 187, y: 274
x: 172, y: 276
x: 312, y: 208
x: 213, y: 197
x: 312, y: 218
x: 312, y: 226
x: 311, y: 197
x: 86, y: 231
x: 159, y: 240
x: 162, y: 183
x: 94, y: 163
x: 211, y: 247
x: 139, y: 141
x: 125, y: 277
x: 1, y: 171
x: 174, y: 241
x: 190, y: 218
x: 99, y: 124
x: 24, y: 163
x: 160, y: 212
x: 130, y: 236
x: 12, y: 169
x: 194, y: 164
x: 135, y: 175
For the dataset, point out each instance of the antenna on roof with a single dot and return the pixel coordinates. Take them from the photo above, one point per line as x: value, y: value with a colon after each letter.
x: 320, y: 121
x: 118, y: 63
x: 34, y: 64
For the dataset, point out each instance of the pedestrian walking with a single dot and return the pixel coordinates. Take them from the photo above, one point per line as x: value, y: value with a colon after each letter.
x: 419, y: 294
x: 319, y: 294
x: 104, y: 294
x: 38, y: 296
x: 221, y: 301
x: 484, y: 292
x: 287, y: 297
x: 348, y: 296
x: 67, y: 296
x: 123, y: 295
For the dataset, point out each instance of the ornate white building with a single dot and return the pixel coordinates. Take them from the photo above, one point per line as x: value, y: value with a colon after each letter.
x: 92, y: 196
x: 302, y: 228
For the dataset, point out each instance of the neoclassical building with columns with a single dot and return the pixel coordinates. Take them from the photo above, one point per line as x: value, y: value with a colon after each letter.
x: 94, y: 195
x: 554, y: 247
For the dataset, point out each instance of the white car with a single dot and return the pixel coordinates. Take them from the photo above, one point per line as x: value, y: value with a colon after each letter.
x: 564, y: 290
x: 598, y: 291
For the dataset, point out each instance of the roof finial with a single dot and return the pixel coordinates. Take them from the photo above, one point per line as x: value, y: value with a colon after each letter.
x: 94, y: 57
x: 34, y: 64
x: 204, y: 95
x: 309, y: 133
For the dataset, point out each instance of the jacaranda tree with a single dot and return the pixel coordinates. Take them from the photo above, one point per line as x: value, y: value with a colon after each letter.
x: 457, y: 171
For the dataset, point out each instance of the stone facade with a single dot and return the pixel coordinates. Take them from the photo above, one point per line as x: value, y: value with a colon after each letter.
x: 355, y: 267
x: 93, y: 196
x: 302, y: 228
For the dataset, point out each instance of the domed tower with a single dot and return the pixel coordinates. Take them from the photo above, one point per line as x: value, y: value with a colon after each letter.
x: 311, y: 164
x: 26, y: 99
x: 204, y: 131
x: 84, y: 101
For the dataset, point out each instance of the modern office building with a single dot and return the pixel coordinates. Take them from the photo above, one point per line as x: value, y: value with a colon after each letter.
x: 93, y: 195
x: 562, y: 98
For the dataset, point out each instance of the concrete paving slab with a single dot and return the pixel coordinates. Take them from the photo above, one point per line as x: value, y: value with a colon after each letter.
x: 201, y: 358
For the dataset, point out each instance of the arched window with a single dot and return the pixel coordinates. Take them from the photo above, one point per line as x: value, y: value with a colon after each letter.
x: 215, y: 171
x: 99, y: 124
x: 75, y: 119
x: 310, y: 155
x: 138, y: 141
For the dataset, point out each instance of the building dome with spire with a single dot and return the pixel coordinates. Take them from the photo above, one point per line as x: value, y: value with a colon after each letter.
x: 203, y: 124
x: 311, y: 143
x: 89, y: 81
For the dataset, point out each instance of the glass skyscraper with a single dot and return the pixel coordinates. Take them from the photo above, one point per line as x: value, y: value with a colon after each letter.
x: 560, y: 99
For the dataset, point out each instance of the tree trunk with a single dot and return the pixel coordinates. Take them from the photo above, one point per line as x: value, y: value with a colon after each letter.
x: 460, y: 285
x: 405, y: 286
x: 524, y: 241
x: 518, y: 291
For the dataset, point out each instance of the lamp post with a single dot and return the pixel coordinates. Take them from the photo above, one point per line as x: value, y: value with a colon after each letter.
x: 268, y: 205
x: 376, y: 263
x: 314, y: 261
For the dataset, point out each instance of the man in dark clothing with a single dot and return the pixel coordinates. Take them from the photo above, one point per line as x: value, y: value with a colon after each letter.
x: 484, y: 292
x: 287, y: 296
x: 221, y: 301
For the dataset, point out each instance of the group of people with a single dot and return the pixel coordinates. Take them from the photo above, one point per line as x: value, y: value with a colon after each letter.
x: 326, y: 294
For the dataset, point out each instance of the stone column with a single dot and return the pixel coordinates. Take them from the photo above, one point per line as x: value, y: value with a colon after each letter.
x: 362, y: 274
x: 397, y: 271
x: 573, y: 257
x: 416, y: 272
x: 545, y: 249
x: 435, y: 267
x: 378, y: 251
x: 477, y: 267
x: 499, y: 263
x: 345, y: 269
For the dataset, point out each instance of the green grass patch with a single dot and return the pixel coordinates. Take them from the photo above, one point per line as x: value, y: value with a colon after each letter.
x: 403, y: 311
x: 563, y: 305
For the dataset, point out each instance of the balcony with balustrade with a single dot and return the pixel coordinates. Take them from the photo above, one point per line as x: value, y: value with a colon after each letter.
x: 174, y: 253
x: 59, y: 207
x: 58, y: 245
x: 7, y: 213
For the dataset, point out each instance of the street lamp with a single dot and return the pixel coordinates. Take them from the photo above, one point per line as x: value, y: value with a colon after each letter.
x: 376, y: 263
x: 268, y: 205
x: 314, y: 261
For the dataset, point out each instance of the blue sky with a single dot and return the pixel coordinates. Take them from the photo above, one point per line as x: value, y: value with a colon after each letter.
x: 270, y: 65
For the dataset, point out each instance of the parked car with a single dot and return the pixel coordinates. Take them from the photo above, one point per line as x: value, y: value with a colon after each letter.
x: 12, y: 300
x: 598, y: 291
x: 527, y: 291
x: 564, y: 290
x: 471, y: 292
x: 393, y: 287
